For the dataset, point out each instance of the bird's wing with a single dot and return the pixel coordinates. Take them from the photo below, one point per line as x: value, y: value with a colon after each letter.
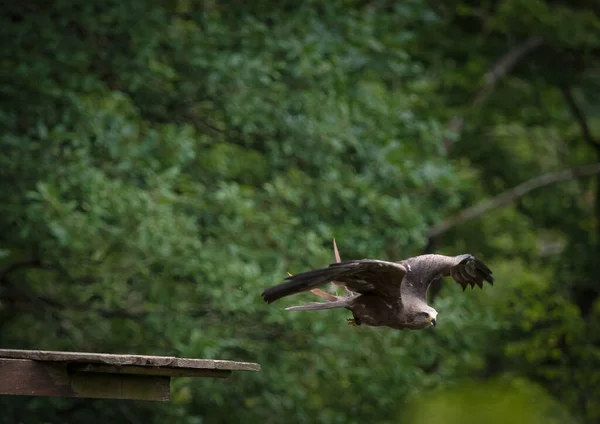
x: 464, y: 269
x: 467, y: 269
x: 360, y: 276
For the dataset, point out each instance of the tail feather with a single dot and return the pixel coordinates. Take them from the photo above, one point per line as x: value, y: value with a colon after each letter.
x: 324, y: 295
x: 303, y: 282
x: 321, y: 305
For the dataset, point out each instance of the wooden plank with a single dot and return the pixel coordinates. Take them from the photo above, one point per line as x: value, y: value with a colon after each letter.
x: 137, y: 370
x: 98, y: 375
x: 23, y: 377
x: 137, y: 360
x: 31, y: 378
x: 121, y: 386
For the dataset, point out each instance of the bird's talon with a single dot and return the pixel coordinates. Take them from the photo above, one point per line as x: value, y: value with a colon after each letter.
x: 352, y: 322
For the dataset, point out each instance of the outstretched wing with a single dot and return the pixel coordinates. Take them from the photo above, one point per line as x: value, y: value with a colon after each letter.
x: 470, y: 270
x: 464, y: 269
x: 360, y: 276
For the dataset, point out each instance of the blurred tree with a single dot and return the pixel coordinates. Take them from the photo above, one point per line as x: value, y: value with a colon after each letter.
x: 543, y: 57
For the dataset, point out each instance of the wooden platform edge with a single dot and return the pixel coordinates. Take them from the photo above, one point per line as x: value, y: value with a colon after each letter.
x: 128, y: 359
x: 154, y: 371
x: 100, y: 375
x: 31, y: 378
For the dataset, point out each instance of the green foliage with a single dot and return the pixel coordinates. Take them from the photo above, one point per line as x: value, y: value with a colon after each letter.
x: 162, y: 163
x: 493, y: 402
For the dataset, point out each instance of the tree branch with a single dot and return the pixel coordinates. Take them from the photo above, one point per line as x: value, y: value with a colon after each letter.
x: 579, y: 116
x: 511, y: 195
x: 499, y: 70
x: 586, y: 133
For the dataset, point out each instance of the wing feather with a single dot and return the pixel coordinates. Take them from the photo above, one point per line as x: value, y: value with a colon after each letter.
x: 464, y: 269
x: 361, y: 276
x: 468, y: 270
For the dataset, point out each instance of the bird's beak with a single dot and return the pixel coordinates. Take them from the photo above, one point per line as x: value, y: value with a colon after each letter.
x: 433, y: 321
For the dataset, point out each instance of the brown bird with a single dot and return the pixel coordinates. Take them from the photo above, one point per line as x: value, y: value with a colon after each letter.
x: 381, y: 293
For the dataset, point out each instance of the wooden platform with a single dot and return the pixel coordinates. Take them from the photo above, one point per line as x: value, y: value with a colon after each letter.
x: 101, y: 375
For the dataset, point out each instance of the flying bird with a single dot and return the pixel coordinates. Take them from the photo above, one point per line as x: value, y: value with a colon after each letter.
x: 382, y: 293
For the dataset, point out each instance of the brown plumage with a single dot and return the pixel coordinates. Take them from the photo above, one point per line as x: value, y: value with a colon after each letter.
x: 381, y: 293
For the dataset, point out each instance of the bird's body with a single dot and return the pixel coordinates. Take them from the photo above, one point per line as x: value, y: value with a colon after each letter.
x: 381, y: 293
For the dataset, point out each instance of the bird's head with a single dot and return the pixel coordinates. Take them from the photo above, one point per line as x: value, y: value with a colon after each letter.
x: 424, y: 318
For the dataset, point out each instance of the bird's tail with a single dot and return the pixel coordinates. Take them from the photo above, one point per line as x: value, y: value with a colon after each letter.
x: 304, y: 282
x: 340, y: 303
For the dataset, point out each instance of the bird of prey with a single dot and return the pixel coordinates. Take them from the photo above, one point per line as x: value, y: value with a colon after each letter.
x: 381, y: 293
